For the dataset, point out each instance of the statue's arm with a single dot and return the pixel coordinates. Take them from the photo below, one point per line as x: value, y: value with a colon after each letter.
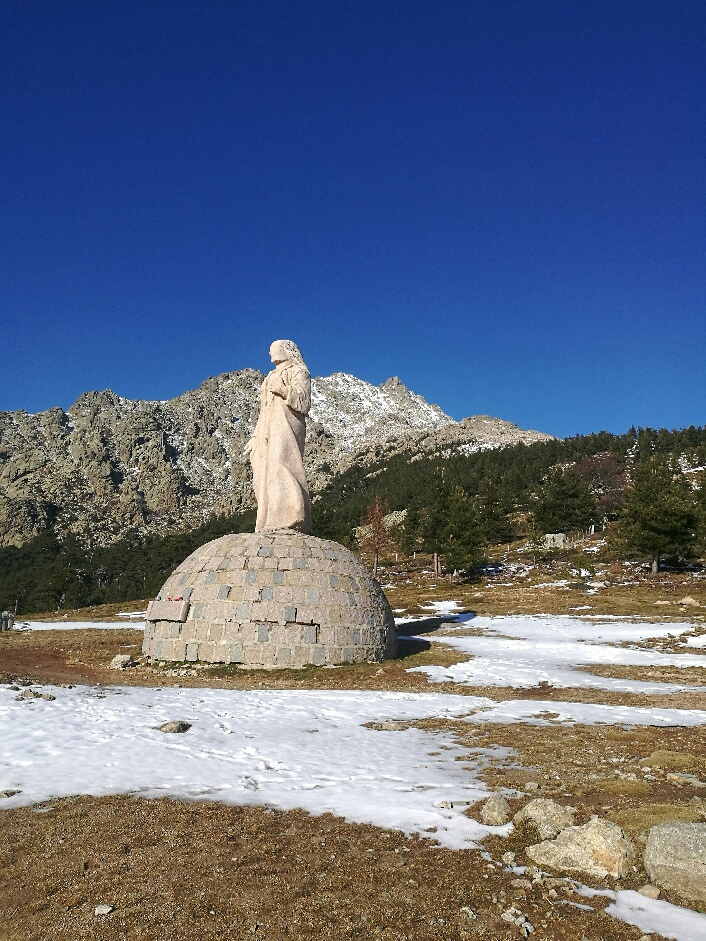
x: 298, y: 395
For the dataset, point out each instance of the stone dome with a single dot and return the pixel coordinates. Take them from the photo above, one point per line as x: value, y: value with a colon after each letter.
x: 272, y: 599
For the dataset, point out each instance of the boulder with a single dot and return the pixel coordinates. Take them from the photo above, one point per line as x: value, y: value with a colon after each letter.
x: 599, y: 849
x: 120, y: 661
x: 495, y: 811
x: 177, y: 726
x: 675, y: 858
x: 546, y: 816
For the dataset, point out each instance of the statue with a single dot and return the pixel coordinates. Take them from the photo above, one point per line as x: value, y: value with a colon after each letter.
x: 276, y: 448
x: 271, y: 611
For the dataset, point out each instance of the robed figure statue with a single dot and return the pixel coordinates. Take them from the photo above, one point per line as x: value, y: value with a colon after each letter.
x: 276, y: 448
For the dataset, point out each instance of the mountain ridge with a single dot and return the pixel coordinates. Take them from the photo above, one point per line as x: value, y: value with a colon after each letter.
x: 109, y: 465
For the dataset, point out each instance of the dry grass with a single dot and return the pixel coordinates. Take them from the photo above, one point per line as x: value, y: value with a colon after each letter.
x: 180, y: 871
x: 272, y: 875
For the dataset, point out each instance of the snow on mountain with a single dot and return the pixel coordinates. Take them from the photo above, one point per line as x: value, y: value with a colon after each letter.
x: 351, y: 409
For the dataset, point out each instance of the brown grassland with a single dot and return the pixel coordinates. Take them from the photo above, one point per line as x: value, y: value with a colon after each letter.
x: 194, y: 870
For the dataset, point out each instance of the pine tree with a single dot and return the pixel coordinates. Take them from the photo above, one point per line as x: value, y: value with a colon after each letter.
x: 701, y: 514
x: 565, y: 503
x: 659, y: 518
x: 463, y: 542
x: 493, y: 513
x: 409, y: 532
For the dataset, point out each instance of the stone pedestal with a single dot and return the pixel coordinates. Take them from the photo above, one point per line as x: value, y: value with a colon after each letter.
x: 273, y: 599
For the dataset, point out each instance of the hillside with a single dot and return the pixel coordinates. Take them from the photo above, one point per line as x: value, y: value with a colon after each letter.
x: 110, y: 466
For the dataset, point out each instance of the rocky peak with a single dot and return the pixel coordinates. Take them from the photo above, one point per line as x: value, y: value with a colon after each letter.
x: 110, y: 464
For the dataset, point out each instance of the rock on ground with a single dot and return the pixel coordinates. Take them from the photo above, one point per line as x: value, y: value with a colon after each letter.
x: 120, y: 661
x: 495, y: 811
x: 546, y: 816
x: 178, y: 726
x: 675, y: 858
x: 599, y: 848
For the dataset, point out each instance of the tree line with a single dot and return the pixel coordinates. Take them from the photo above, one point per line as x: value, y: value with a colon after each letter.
x: 455, y: 506
x: 460, y: 505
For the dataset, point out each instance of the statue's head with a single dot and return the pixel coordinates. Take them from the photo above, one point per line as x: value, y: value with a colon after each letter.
x: 282, y: 350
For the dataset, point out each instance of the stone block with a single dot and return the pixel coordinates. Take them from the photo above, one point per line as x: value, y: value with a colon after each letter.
x: 283, y: 594
x: 313, y: 596
x: 283, y: 657
x: 192, y: 630
x: 192, y: 651
x: 280, y: 635
x: 266, y: 594
x: 235, y: 653
x: 326, y: 634
x: 174, y: 630
x: 290, y: 613
x: 300, y: 563
x: 268, y: 611
x: 207, y: 651
x: 348, y: 654
x: 318, y: 655
x: 310, y: 634
x: 343, y: 636
x: 242, y: 611
x: 167, y: 650
x: 215, y: 632
x: 263, y: 633
x: 301, y: 656
x: 223, y: 592
x: 264, y: 551
x: 232, y: 631
x: 305, y: 614
x: 167, y: 610
x: 250, y: 577
x: 277, y: 577
x: 252, y: 654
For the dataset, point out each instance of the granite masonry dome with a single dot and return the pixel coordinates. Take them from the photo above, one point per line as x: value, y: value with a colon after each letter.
x: 271, y: 599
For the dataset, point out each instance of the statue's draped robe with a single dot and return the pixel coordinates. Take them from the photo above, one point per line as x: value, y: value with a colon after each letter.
x: 277, y: 454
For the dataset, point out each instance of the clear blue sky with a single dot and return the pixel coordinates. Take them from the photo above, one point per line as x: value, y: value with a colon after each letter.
x: 501, y: 202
